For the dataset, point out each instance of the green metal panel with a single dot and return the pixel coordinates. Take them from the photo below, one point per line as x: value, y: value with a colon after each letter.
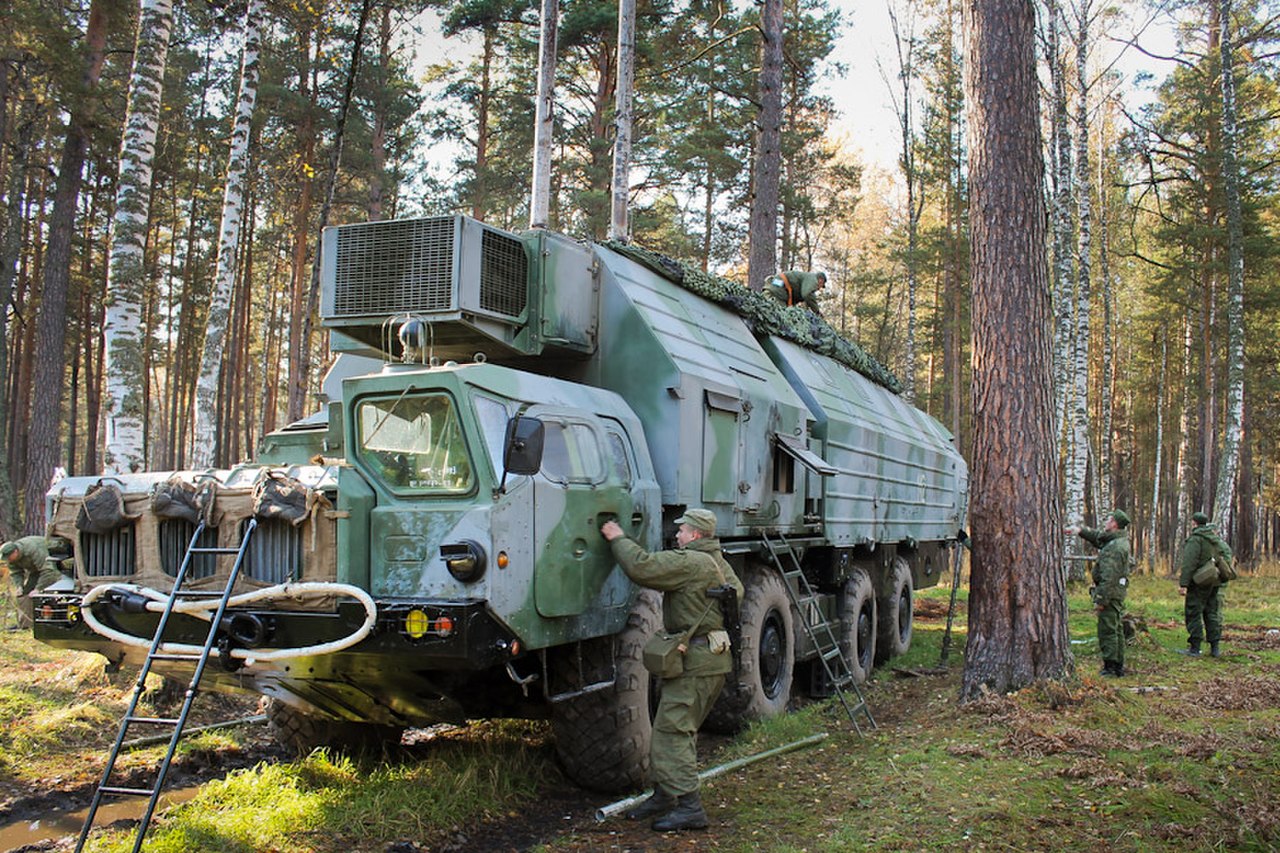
x: 355, y: 501
x: 900, y: 475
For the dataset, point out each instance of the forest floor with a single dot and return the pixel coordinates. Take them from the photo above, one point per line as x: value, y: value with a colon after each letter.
x: 1182, y: 754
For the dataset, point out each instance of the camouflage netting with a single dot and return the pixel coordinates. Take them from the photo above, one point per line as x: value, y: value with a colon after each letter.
x: 764, y: 315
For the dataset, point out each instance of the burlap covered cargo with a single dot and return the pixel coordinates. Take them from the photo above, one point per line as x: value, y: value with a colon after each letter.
x: 158, y: 518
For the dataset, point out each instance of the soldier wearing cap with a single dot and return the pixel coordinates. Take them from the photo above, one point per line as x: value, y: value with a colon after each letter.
x: 28, y: 562
x: 1110, y: 584
x: 1202, y: 609
x: 683, y: 575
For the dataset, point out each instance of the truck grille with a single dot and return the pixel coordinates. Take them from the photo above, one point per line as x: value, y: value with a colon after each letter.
x: 504, y: 273
x: 275, y: 552
x: 396, y: 267
x: 111, y: 554
x: 175, y: 535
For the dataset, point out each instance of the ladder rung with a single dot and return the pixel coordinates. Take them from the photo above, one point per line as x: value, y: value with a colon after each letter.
x: 198, y: 593
x: 128, y: 792
x: 166, y: 656
x: 831, y: 653
x: 155, y: 721
x: 213, y: 551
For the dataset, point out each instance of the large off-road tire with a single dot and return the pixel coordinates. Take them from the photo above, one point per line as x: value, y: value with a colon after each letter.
x: 858, y: 625
x: 302, y: 733
x: 767, y: 657
x: 602, y: 738
x: 894, y: 612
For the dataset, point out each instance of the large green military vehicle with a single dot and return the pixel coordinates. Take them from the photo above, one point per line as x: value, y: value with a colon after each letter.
x: 427, y: 548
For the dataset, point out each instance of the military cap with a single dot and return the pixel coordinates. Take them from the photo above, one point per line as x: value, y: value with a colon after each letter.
x: 8, y: 548
x: 1199, y: 518
x: 702, y: 520
x: 1122, y: 520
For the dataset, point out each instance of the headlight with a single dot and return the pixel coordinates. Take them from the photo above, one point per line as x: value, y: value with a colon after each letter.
x: 465, y: 560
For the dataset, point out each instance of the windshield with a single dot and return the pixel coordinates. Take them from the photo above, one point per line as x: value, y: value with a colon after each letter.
x: 414, y: 443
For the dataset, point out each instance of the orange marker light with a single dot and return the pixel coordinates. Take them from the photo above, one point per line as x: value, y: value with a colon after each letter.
x: 444, y: 626
x: 503, y: 559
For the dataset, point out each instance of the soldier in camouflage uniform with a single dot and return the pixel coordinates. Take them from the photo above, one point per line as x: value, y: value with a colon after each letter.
x: 28, y: 562
x: 1110, y: 585
x: 683, y: 575
x: 797, y: 288
x: 1203, y: 607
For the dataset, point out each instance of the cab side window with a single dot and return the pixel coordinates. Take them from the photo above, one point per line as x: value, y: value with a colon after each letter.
x: 571, y: 453
x: 618, y: 461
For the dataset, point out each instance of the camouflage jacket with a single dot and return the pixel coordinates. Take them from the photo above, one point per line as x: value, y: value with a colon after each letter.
x: 1111, y: 570
x: 795, y: 288
x: 1199, y: 548
x: 31, y: 569
x: 683, y: 576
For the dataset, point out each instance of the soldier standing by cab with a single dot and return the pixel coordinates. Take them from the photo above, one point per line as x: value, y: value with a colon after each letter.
x: 1110, y: 585
x: 683, y: 575
x: 1203, y: 607
x: 28, y: 562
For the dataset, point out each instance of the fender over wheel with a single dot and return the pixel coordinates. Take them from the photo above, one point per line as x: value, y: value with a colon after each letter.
x: 763, y: 684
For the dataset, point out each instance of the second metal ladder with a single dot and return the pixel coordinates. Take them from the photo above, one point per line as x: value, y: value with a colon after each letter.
x: 154, y: 654
x: 835, y: 665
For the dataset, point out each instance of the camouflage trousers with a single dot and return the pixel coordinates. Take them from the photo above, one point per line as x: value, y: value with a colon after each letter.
x: 673, y: 752
x: 1203, y: 612
x: 1111, y: 632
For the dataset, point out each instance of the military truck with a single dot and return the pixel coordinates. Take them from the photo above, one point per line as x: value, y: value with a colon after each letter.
x: 427, y: 547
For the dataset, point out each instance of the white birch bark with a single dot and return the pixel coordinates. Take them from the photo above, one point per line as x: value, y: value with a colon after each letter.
x: 619, y: 227
x: 202, y: 451
x: 1233, y: 428
x: 1108, y: 330
x: 1063, y: 230
x: 544, y: 116
x: 126, y: 277
x: 1079, y: 460
x: 1184, y: 429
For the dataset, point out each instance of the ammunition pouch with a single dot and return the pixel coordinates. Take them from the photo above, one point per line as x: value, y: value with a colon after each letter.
x: 102, y: 509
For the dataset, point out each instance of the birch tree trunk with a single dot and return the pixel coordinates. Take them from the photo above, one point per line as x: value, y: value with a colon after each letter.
x: 1229, y: 462
x: 1185, y: 466
x: 1108, y: 334
x: 1063, y: 225
x: 905, y: 44
x: 1017, y: 603
x: 544, y: 116
x: 620, y: 195
x: 762, y: 256
x: 43, y: 450
x: 206, y: 445
x: 1077, y: 468
x: 126, y: 277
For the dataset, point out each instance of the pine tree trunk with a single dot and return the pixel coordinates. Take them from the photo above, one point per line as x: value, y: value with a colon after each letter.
x: 43, y: 450
x: 126, y: 277
x: 762, y: 258
x: 203, y: 449
x: 1017, y: 603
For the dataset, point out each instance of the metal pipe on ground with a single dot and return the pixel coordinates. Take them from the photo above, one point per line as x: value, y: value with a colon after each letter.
x: 606, y: 812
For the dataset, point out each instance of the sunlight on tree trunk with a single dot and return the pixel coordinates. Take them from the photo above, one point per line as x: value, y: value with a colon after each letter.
x: 1017, y: 603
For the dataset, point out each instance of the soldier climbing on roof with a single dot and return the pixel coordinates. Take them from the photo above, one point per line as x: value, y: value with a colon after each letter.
x: 797, y: 288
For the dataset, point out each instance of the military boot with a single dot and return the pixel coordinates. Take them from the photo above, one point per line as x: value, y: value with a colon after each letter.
x: 1192, y: 649
x: 1214, y: 651
x: 658, y: 803
x: 688, y: 814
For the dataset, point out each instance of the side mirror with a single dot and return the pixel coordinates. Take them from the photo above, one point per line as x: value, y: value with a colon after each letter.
x: 523, y: 446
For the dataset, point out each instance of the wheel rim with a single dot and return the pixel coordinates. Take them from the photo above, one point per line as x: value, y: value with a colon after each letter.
x: 772, y: 653
x: 864, y: 636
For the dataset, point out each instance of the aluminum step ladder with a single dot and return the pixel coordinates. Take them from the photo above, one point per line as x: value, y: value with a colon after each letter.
x: 176, y: 723
x: 818, y: 629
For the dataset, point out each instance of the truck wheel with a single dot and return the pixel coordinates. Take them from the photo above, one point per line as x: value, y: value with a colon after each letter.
x: 763, y: 686
x: 858, y: 625
x: 602, y: 738
x: 895, y: 610
x: 303, y: 733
